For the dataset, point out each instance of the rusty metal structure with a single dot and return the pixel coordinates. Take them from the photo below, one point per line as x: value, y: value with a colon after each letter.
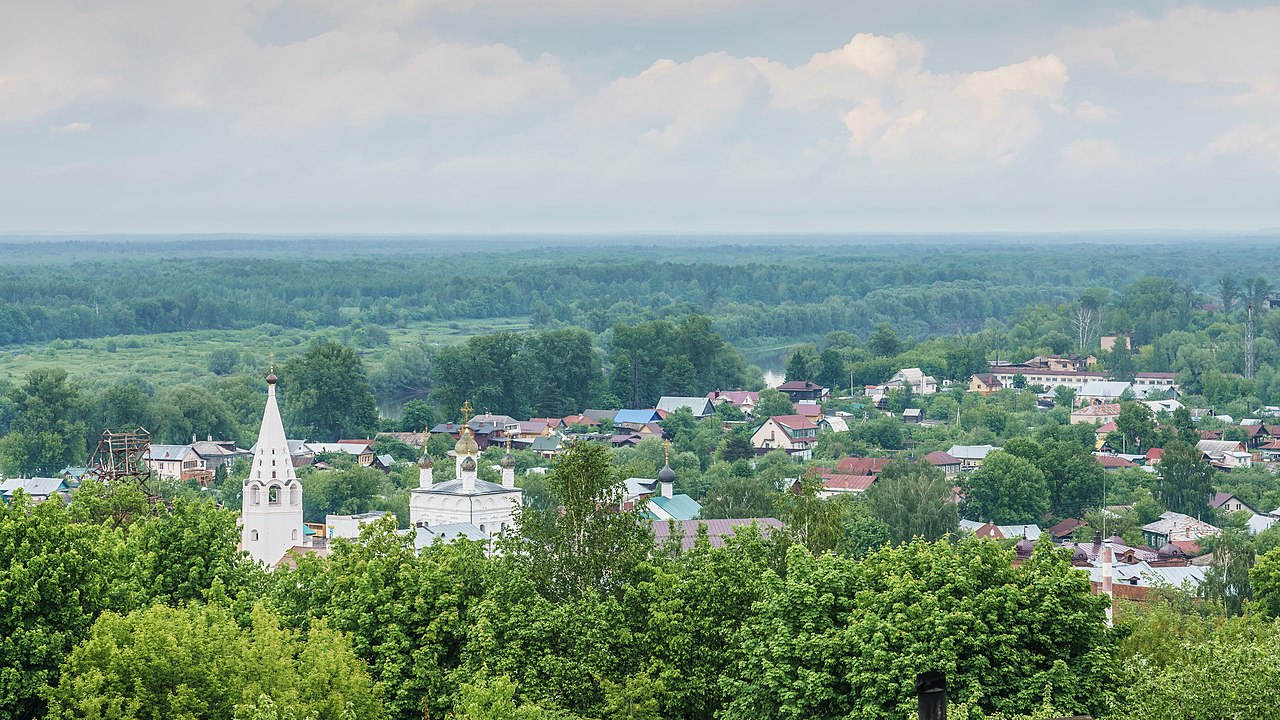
x: 121, y: 458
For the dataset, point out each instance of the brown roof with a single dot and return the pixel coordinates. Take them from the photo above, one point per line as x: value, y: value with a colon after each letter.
x: 799, y: 385
x: 941, y: 457
x: 861, y: 466
x: 1111, y: 461
x: 1065, y: 528
x: 794, y: 422
x: 717, y: 530
x: 854, y: 483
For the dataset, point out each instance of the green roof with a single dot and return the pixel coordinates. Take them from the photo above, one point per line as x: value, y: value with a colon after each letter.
x: 678, y: 507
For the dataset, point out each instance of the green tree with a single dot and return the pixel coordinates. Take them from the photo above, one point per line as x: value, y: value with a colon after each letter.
x: 584, y: 542
x: 224, y: 361
x: 804, y: 363
x: 1227, y: 581
x: 56, y: 576
x: 837, y: 638
x: 884, y: 341
x: 326, y: 394
x: 736, y: 446
x: 1229, y: 291
x: 341, y: 491
x: 1184, y: 481
x: 417, y: 416
x: 177, y: 556
x: 1265, y: 580
x: 739, y: 496
x: 157, y: 664
x: 1073, y: 474
x: 810, y: 521
x: 1006, y: 490
x: 47, y: 432
x: 914, y: 500
x: 773, y: 402
x: 1136, y: 423
x: 680, y: 377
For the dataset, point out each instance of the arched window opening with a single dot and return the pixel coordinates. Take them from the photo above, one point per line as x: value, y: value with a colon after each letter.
x: 253, y: 535
x: 273, y: 495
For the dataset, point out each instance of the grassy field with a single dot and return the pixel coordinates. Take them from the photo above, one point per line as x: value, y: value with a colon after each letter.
x: 172, y: 358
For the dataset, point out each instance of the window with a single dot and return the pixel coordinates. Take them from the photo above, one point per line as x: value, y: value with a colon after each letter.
x: 273, y: 474
x: 273, y: 495
x: 253, y: 496
x: 253, y: 535
x: 295, y: 535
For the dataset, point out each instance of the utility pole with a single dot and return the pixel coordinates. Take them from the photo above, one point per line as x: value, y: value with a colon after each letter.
x: 1249, y: 358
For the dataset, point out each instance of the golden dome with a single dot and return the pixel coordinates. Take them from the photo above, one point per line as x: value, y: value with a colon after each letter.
x: 466, y: 443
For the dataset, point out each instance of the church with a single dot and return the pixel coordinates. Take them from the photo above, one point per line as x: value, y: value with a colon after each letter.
x: 466, y: 505
x: 271, y: 506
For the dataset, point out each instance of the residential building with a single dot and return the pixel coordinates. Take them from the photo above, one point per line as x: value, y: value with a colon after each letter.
x: 349, y: 526
x: 173, y: 462
x: 1225, y: 454
x: 1109, y: 342
x: 700, y: 407
x: 799, y: 390
x: 1101, y: 391
x: 914, y: 378
x: 946, y: 462
x: 362, y: 450
x: 1174, y: 528
x: 744, y: 400
x: 636, y: 418
x: 792, y: 433
x: 1228, y: 502
x: 970, y: 456
x: 1100, y: 413
x: 985, y: 384
x: 38, y: 489
x: 861, y: 465
x: 1001, y: 532
x: 813, y: 411
x: 717, y: 530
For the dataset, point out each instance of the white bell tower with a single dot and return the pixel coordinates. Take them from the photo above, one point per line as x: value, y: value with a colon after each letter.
x: 271, y: 508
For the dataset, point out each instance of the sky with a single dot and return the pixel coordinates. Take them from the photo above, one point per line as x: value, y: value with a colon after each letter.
x: 628, y: 116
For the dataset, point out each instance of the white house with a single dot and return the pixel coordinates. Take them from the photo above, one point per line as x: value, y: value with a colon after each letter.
x: 349, y: 526
x: 1225, y: 454
x: 794, y: 433
x: 970, y: 456
x: 913, y: 378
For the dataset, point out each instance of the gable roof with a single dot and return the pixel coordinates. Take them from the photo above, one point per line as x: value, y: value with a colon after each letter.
x: 1112, y: 462
x: 36, y: 487
x: 1222, y: 498
x: 1098, y: 411
x: 861, y: 465
x: 169, y: 453
x: 676, y: 507
x: 799, y: 385
x: 971, y: 452
x: 637, y: 417
x: 848, y: 483
x: 989, y: 379
x: 794, y: 422
x: 699, y: 406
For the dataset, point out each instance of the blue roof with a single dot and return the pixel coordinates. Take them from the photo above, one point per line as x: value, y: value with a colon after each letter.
x: 636, y: 416
x: 676, y: 507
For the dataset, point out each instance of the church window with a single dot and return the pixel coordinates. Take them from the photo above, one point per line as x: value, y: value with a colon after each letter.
x: 253, y: 535
x: 295, y: 535
x: 295, y: 496
x: 273, y: 474
x: 273, y: 495
x: 482, y: 527
x: 273, y: 462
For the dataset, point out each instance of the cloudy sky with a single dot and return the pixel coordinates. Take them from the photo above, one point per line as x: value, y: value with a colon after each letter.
x: 421, y: 116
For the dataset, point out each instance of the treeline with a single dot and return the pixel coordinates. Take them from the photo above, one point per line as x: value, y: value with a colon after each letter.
x: 752, y: 293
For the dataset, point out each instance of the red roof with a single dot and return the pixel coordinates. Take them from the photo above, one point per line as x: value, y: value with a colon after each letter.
x: 1270, y: 445
x: 794, y: 422
x: 1065, y: 528
x: 851, y: 483
x: 1107, y: 427
x: 1155, y: 453
x: 1111, y: 461
x: 861, y: 466
x: 580, y: 420
x: 809, y: 409
x: 940, y: 457
x: 1157, y: 375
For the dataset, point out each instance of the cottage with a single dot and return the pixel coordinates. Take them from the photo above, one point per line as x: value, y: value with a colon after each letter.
x: 636, y: 418
x: 813, y: 411
x: 700, y: 407
x: 1225, y: 454
x: 946, y: 462
x: 38, y: 489
x: 744, y: 400
x: 1100, y: 413
x: 1228, y: 502
x: 1112, y: 462
x: 795, y: 434
x: 835, y: 483
x: 1001, y: 532
x: 861, y: 465
x: 985, y: 384
x: 799, y: 390
x: 1175, y: 527
x: 912, y: 416
x: 913, y: 378
x: 970, y: 456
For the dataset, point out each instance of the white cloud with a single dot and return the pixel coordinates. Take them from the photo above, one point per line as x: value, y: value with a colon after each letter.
x: 1251, y: 145
x: 75, y: 128
x: 1235, y: 52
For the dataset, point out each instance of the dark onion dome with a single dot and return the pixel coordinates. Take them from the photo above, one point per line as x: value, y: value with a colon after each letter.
x: 666, y: 474
x: 468, y: 463
x: 507, y: 461
x: 1169, y: 551
x: 271, y: 379
x: 425, y: 461
x: 1025, y: 547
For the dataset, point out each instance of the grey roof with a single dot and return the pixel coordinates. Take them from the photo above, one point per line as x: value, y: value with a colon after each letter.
x: 35, y: 487
x: 385, y: 459
x: 1103, y: 388
x: 168, y: 452
x: 699, y: 406
x: 424, y: 536
x: 454, y: 487
x: 1146, y: 576
x: 678, y: 507
x: 970, y: 452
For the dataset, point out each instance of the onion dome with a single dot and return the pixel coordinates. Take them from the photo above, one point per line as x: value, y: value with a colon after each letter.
x: 425, y: 461
x: 666, y: 474
x: 466, y: 443
x: 1169, y: 551
x: 507, y: 461
x: 468, y: 463
x: 1025, y: 547
x: 271, y: 378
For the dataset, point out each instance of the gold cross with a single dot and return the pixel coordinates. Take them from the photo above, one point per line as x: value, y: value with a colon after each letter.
x: 666, y: 451
x: 466, y: 412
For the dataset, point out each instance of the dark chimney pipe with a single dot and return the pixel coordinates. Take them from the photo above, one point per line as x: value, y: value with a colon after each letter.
x: 931, y: 692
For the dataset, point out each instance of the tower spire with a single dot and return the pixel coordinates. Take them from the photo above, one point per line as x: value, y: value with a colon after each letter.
x: 271, y: 504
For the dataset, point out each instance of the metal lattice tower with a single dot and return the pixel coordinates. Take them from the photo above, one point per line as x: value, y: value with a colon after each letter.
x: 121, y: 457
x: 1249, y: 358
